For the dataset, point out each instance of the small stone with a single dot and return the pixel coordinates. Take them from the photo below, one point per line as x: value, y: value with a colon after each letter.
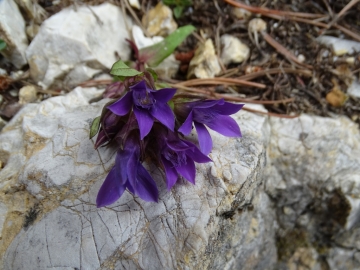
x: 301, y: 58
x: 32, y: 30
x: 134, y: 3
x: 288, y: 211
x: 12, y: 31
x: 257, y: 25
x: 354, y: 89
x: 233, y: 50
x: 205, y: 63
x: 159, y: 21
x: 27, y: 94
x: 340, y: 46
x: 336, y: 97
x: 241, y: 14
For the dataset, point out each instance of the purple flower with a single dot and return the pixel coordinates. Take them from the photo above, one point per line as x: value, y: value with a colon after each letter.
x: 178, y: 157
x: 128, y: 172
x: 114, y: 90
x: 111, y: 124
x: 212, y: 113
x: 147, y: 104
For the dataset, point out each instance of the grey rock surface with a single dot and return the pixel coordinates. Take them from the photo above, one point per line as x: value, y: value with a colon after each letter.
x: 314, y: 186
x: 284, y: 196
x: 86, y: 36
x: 222, y: 221
x: 12, y: 31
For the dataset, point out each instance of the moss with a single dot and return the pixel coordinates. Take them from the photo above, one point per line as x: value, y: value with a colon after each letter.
x: 289, y: 242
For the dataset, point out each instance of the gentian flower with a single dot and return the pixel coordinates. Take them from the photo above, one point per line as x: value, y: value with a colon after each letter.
x: 114, y: 90
x: 128, y: 172
x: 212, y: 113
x: 111, y: 124
x: 178, y: 157
x: 147, y: 104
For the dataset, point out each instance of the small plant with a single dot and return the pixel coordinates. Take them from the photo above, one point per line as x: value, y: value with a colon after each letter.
x: 148, y: 124
x: 180, y: 5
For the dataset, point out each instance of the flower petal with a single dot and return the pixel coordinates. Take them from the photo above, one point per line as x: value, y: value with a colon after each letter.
x: 163, y: 113
x: 111, y: 190
x: 225, y: 125
x: 187, y: 170
x: 171, y: 174
x: 139, y: 86
x: 204, y: 138
x: 178, y: 145
x: 196, y: 155
x: 186, y: 127
x: 145, y: 121
x: 228, y: 108
x: 120, y: 166
x: 145, y: 187
x: 131, y: 169
x: 202, y: 104
x: 122, y: 106
x: 164, y: 95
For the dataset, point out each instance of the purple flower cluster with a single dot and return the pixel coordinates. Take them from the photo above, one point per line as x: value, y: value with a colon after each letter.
x: 143, y: 126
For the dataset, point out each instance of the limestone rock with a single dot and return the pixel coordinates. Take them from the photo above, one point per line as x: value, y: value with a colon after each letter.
x: 233, y: 50
x: 354, y: 89
x: 205, y: 63
x: 340, y: 46
x: 90, y: 36
x: 12, y: 31
x: 315, y: 187
x: 27, y: 94
x: 51, y: 165
x: 159, y: 21
x: 135, y: 4
x: 241, y: 14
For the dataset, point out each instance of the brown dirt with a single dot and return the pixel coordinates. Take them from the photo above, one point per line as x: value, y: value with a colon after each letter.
x: 214, y: 18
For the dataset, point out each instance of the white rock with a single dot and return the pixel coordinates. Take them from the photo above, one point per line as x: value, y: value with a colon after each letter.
x: 167, y: 68
x: 354, y: 89
x: 241, y: 14
x: 12, y: 31
x: 27, y: 94
x: 79, y: 74
x: 159, y: 21
x: 135, y: 3
x: 141, y: 41
x: 63, y: 171
x: 205, y: 63
x: 233, y: 50
x: 257, y: 25
x: 318, y: 159
x: 340, y: 46
x: 75, y: 36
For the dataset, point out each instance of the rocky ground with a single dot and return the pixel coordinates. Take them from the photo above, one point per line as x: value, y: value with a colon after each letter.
x: 285, y: 196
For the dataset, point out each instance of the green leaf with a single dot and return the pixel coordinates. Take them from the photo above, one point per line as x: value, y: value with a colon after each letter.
x: 2, y: 44
x: 153, y: 73
x: 122, y: 70
x: 155, y: 54
x: 178, y: 10
x: 95, y: 127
